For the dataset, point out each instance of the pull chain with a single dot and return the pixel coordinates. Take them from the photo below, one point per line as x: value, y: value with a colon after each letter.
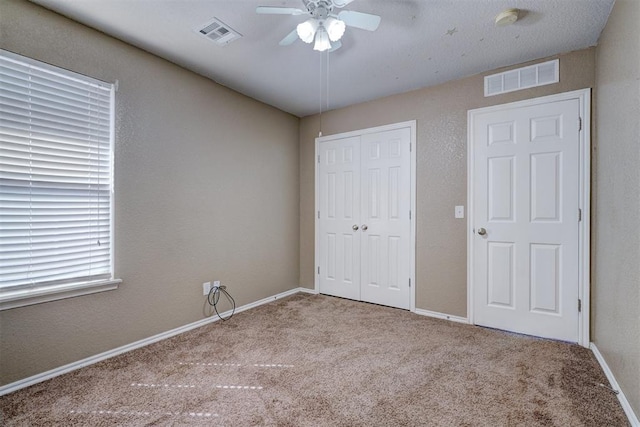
x: 320, y: 97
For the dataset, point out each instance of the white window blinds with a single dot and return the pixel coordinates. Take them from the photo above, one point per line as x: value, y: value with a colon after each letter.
x: 56, y: 174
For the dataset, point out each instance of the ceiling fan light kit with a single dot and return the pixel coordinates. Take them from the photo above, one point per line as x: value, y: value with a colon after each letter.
x: 324, y: 26
x: 331, y: 30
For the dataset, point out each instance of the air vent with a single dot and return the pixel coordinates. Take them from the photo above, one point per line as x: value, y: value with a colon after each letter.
x: 217, y: 31
x: 522, y: 78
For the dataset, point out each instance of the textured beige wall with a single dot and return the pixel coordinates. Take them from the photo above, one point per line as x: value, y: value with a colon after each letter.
x: 616, y: 199
x: 441, y: 114
x: 206, y: 188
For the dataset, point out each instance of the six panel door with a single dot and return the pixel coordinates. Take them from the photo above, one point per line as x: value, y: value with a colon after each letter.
x: 339, y: 240
x: 526, y: 186
x: 386, y: 230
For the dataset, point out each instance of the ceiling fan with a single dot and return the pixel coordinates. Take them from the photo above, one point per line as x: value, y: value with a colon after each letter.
x: 324, y: 25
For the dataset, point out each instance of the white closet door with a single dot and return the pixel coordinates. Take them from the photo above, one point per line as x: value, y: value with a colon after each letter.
x: 339, y: 236
x: 386, y: 226
x: 526, y: 186
x: 364, y: 224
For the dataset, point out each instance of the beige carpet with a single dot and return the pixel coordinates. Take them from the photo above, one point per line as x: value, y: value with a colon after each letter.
x: 322, y: 361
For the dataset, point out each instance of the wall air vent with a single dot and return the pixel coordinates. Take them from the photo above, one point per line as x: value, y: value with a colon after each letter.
x: 541, y: 74
x: 218, y: 32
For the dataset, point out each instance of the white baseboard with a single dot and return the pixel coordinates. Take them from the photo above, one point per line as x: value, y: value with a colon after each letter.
x: 626, y: 406
x: 38, y: 378
x: 441, y: 316
x: 307, y: 290
x: 261, y: 302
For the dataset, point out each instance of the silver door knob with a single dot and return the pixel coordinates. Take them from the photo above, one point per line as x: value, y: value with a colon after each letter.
x: 482, y: 231
x: 355, y: 227
x: 364, y: 227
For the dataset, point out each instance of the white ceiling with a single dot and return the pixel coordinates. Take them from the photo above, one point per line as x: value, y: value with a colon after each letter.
x: 419, y: 43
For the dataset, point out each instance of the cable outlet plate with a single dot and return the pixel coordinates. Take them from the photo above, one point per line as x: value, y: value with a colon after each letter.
x: 216, y: 283
x: 206, y: 287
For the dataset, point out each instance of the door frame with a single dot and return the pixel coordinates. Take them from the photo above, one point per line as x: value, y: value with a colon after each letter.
x: 584, y: 202
x: 411, y: 124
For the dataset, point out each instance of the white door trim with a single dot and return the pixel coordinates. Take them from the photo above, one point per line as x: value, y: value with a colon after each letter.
x: 584, y: 98
x: 412, y: 257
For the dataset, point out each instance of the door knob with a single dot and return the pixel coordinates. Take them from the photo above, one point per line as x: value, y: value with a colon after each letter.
x: 482, y: 231
x: 364, y: 227
x: 355, y: 227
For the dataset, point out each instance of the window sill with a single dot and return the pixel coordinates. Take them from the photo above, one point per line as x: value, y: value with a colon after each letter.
x: 37, y: 295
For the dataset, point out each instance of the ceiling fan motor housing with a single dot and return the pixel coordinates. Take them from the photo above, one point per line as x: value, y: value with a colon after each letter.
x: 320, y: 9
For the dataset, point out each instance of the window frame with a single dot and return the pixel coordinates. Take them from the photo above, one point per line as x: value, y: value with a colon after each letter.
x: 25, y: 295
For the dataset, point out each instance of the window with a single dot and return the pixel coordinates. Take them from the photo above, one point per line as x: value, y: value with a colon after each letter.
x: 56, y: 183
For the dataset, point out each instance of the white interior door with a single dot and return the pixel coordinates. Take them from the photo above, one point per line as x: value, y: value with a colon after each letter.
x: 339, y: 217
x: 525, y: 219
x: 364, y: 225
x: 385, y: 230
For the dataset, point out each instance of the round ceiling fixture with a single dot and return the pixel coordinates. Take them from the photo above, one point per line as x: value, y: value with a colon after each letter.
x: 507, y: 17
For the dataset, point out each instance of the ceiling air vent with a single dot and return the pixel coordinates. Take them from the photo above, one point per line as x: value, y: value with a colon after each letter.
x: 522, y: 78
x: 217, y: 31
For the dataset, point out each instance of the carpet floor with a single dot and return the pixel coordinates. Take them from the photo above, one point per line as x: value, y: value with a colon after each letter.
x: 311, y: 360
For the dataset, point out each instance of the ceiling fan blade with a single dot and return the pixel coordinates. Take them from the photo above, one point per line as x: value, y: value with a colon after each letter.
x: 290, y: 38
x: 335, y: 46
x: 269, y: 10
x: 341, y: 3
x: 364, y: 21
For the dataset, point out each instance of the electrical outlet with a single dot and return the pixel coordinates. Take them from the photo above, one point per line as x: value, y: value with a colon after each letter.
x: 206, y: 287
x: 216, y: 283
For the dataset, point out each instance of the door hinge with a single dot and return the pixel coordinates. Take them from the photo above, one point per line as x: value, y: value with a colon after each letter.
x: 318, y: 270
x: 579, y: 123
x: 579, y: 215
x: 318, y: 214
x: 579, y: 305
x: 318, y: 158
x: 410, y: 147
x: 409, y: 214
x: 409, y: 282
